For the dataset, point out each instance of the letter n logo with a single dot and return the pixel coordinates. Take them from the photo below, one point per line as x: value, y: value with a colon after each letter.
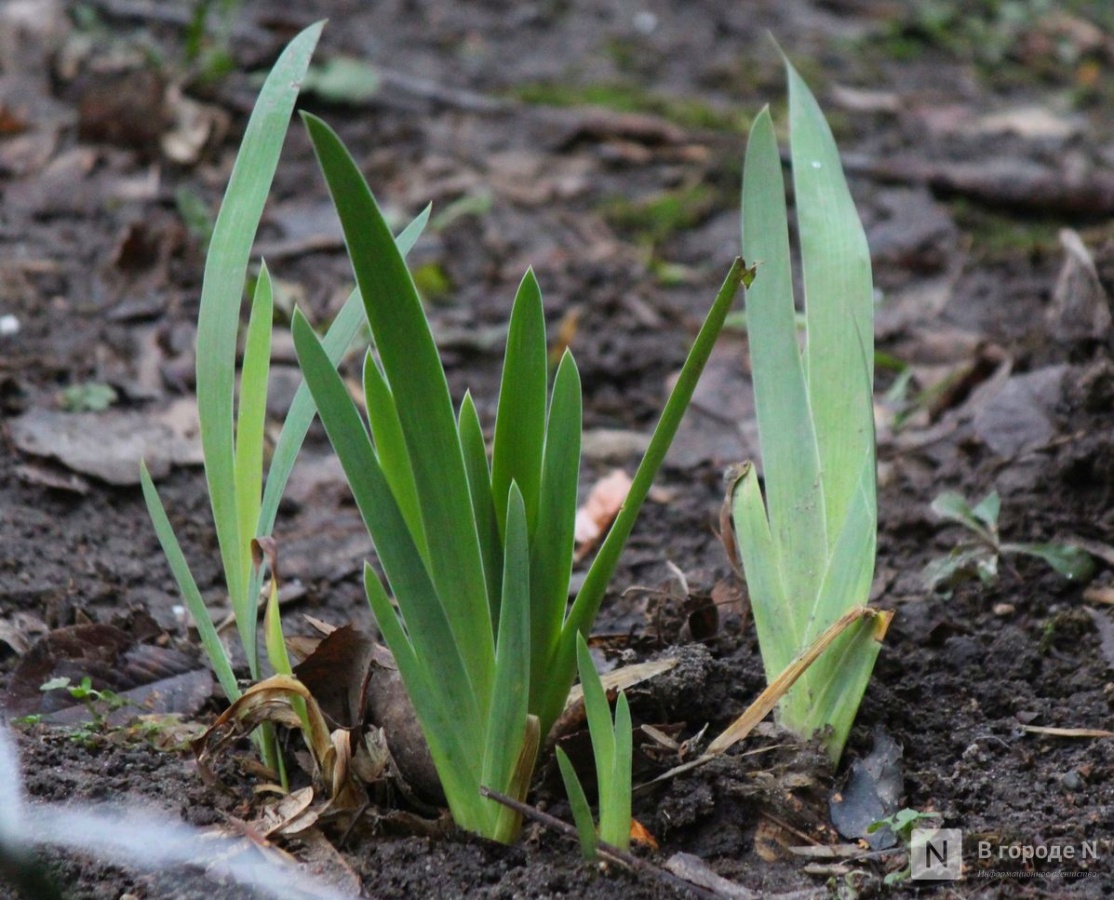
x: 936, y: 854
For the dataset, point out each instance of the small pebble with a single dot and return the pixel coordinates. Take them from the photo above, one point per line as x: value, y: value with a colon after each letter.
x: 1072, y: 781
x: 1004, y: 609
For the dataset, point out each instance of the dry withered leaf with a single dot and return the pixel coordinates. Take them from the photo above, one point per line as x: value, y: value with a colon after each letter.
x: 337, y: 674
x: 640, y: 834
x: 48, y: 476
x: 623, y: 678
x: 695, y: 871
x: 1080, y: 308
x: 20, y: 629
x: 290, y: 814
x: 109, y: 445
x: 317, y: 854
x: 679, y: 614
x: 604, y: 501
x: 271, y: 701
x: 389, y: 706
x: 194, y: 127
x: 354, y: 680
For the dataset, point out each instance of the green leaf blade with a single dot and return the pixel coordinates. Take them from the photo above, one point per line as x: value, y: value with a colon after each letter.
x: 578, y: 803
x: 779, y: 635
x: 250, y: 422
x: 390, y: 447
x: 222, y: 290
x: 520, y: 420
x: 839, y: 301
x: 507, y: 721
x: 187, y: 586
x: 449, y: 745
x: 551, y: 551
x: 562, y: 668
x: 615, y: 796
x: 413, y: 369
x: 830, y: 691
x: 483, y: 506
x: 598, y: 712
x: 300, y: 416
x: 429, y: 628
x: 790, y: 457
x: 1074, y: 563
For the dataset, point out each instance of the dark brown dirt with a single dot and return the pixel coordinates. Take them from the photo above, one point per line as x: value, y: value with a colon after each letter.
x: 103, y: 277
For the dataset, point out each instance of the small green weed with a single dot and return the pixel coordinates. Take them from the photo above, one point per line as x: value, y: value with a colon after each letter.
x: 89, y: 396
x: 902, y: 823
x: 100, y: 703
x: 978, y: 558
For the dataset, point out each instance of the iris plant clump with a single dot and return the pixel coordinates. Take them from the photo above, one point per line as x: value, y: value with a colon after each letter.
x: 477, y: 549
x: 808, y: 546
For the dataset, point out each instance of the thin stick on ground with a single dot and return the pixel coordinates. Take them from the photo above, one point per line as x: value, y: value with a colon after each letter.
x: 604, y: 850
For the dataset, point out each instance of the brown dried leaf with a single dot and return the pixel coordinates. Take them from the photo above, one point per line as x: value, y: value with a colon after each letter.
x: 600, y: 509
x: 109, y: 445
x: 195, y: 126
x: 19, y: 630
x: 270, y: 701
x: 1080, y: 308
x: 337, y: 674
x: 289, y: 815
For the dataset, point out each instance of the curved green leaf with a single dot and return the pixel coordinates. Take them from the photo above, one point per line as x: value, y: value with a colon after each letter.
x: 413, y: 369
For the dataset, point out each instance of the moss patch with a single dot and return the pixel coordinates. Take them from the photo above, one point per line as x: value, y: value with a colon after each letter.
x: 652, y: 220
x: 684, y: 111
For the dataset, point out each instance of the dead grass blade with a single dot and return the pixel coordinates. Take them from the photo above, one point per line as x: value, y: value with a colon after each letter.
x: 1068, y: 732
x: 765, y: 702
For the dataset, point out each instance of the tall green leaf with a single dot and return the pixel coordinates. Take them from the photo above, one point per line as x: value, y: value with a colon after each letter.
x: 390, y: 447
x: 428, y: 626
x: 300, y: 416
x: 221, y: 294
x: 790, y: 458
x: 483, y: 506
x: 520, y: 421
x: 615, y: 826
x: 507, y: 722
x: 551, y: 550
x: 187, y: 586
x: 839, y: 301
x: 808, y: 551
x: 413, y: 369
x: 250, y: 421
x: 578, y: 803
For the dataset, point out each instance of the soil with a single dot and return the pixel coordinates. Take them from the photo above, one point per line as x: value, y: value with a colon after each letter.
x: 941, y: 116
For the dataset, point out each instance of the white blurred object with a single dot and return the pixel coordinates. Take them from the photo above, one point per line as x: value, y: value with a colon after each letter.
x: 645, y: 22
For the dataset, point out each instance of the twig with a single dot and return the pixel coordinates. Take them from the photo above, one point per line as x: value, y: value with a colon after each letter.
x: 605, y: 850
